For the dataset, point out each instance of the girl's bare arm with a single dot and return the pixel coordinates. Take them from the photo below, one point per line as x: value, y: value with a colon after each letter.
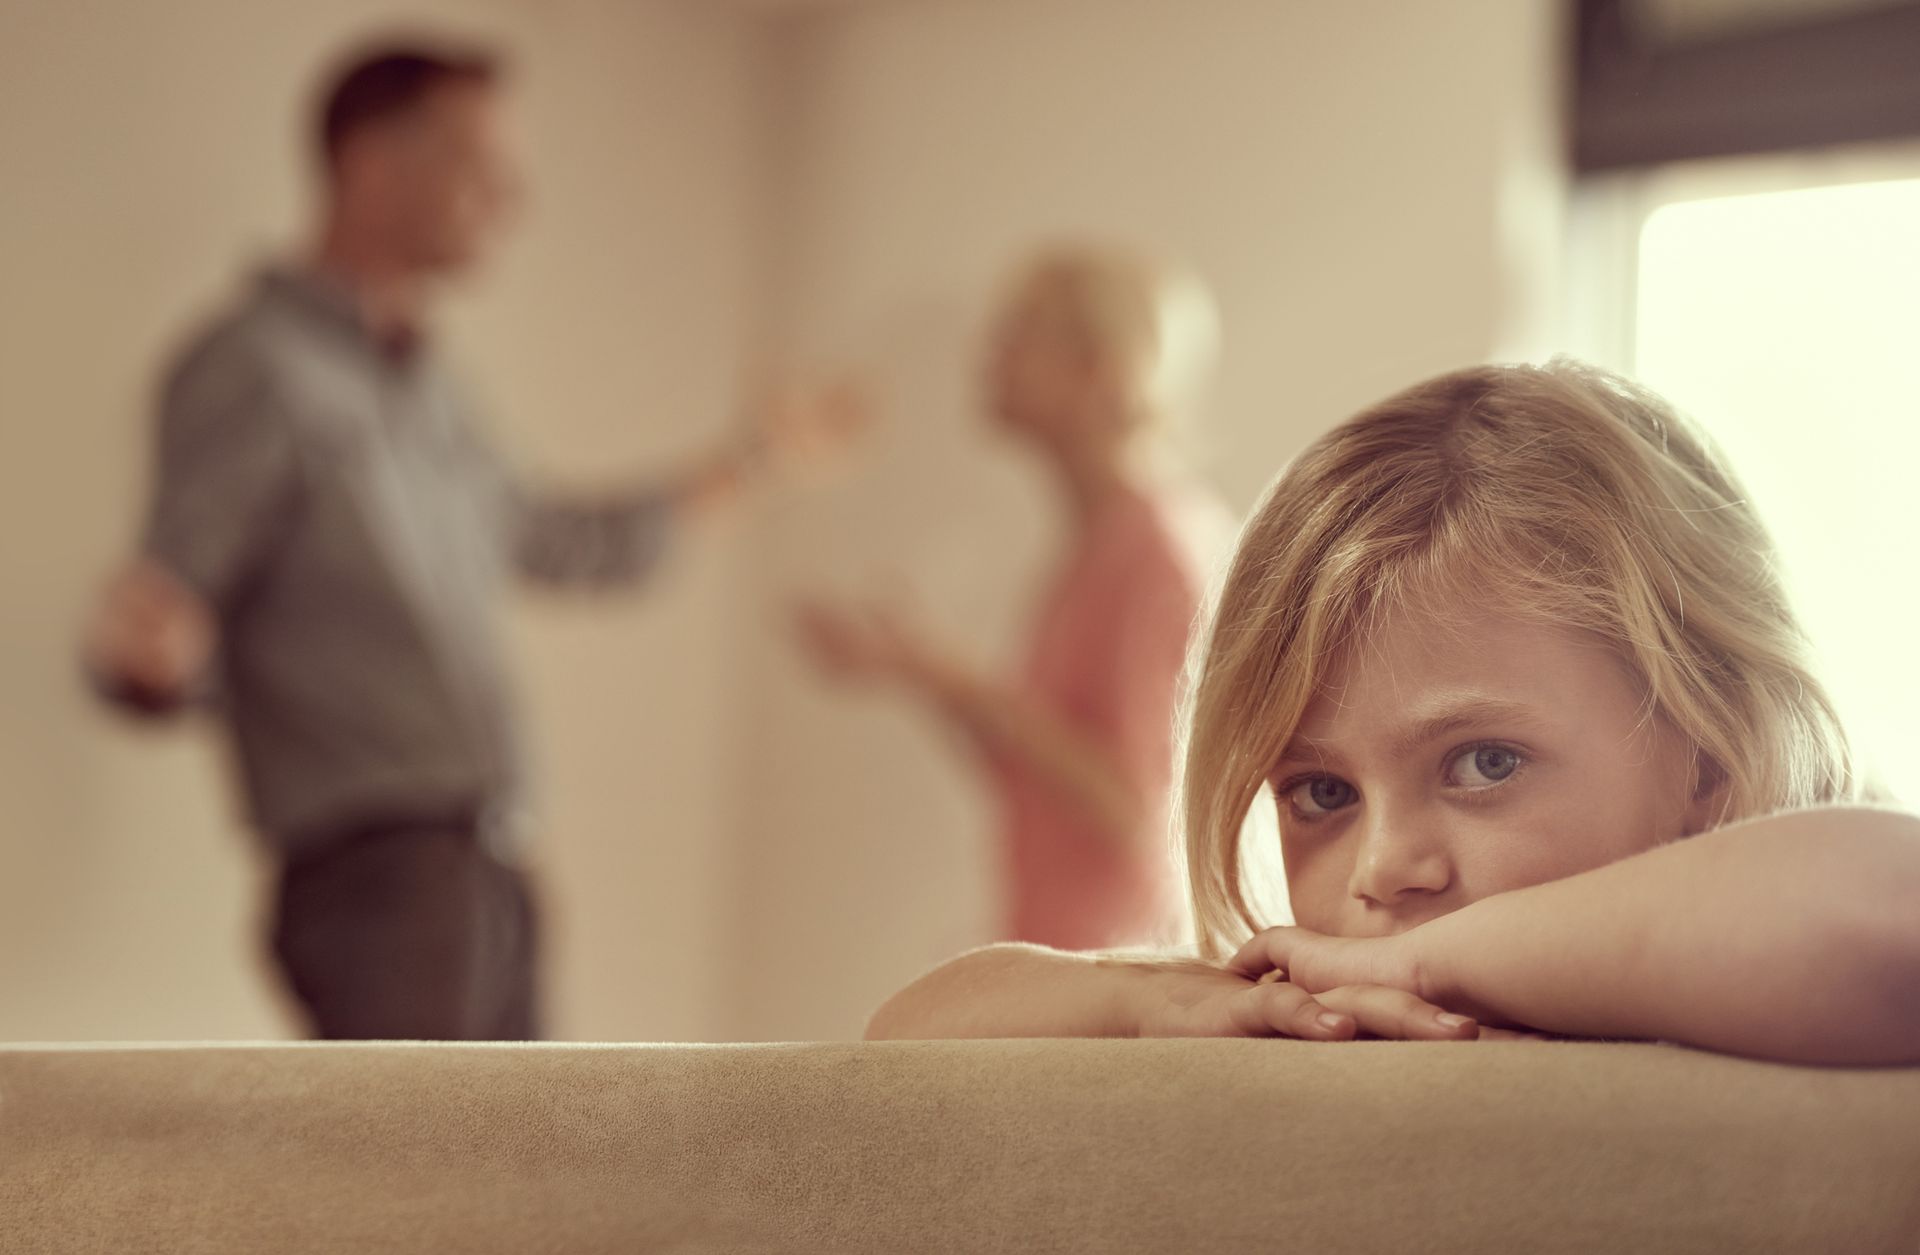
x: 1794, y: 937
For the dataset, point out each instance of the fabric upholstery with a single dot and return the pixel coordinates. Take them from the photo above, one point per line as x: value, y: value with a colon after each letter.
x: 1028, y: 1146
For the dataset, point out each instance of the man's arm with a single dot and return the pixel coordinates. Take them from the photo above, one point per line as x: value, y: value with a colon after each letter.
x: 150, y: 644
x: 616, y: 539
x: 595, y: 543
x: 225, y: 481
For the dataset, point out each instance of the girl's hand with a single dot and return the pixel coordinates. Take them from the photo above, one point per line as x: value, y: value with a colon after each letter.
x: 1199, y: 1000
x: 1318, y: 962
x: 1330, y: 965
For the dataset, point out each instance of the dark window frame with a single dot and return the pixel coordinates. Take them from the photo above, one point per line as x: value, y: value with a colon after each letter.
x: 1843, y: 78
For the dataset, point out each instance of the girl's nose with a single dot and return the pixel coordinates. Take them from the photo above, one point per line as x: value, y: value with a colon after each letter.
x: 1400, y: 857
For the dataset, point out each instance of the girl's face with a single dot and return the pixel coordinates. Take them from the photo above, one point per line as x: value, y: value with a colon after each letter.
x: 1444, y: 764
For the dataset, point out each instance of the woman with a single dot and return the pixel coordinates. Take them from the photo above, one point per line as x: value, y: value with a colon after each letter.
x: 1097, y: 355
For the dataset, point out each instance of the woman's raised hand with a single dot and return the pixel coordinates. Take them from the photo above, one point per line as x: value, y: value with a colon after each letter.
x: 871, y: 641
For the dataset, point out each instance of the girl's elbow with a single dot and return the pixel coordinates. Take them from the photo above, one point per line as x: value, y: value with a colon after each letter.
x: 899, y: 1018
x: 881, y: 1025
x: 936, y: 1004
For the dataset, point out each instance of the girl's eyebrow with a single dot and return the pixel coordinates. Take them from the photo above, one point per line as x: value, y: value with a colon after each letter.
x: 1458, y: 714
x: 1438, y: 720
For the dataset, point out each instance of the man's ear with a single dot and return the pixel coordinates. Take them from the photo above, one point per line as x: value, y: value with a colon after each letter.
x: 1709, y: 797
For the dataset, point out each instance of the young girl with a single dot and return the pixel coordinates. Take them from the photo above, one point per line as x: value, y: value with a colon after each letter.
x: 1096, y: 354
x: 1512, y: 656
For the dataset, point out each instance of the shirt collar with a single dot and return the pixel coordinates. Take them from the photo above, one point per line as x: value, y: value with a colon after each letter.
x: 328, y: 301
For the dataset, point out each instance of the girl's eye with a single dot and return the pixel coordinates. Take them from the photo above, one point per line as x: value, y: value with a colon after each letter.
x: 1483, y: 766
x: 1320, y: 795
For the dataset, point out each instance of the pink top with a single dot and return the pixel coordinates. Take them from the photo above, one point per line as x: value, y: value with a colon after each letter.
x: 1106, y: 654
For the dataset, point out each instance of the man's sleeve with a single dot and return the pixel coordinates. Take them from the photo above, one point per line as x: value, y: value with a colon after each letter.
x: 567, y: 540
x: 596, y: 543
x: 225, y: 471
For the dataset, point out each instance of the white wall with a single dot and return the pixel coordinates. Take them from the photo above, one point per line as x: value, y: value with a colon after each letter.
x: 732, y: 850
x: 148, y: 154
x: 1371, y: 187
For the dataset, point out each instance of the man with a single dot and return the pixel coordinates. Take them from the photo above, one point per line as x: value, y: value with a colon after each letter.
x: 326, y: 548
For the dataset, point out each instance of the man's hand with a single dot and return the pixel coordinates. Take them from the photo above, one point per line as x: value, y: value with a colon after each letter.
x: 802, y: 424
x: 792, y: 427
x: 151, y: 640
x: 1200, y: 1000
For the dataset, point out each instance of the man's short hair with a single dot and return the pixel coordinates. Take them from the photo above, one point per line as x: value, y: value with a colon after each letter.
x: 382, y: 83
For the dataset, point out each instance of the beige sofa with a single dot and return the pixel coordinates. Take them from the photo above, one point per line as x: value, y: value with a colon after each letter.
x: 1018, y: 1146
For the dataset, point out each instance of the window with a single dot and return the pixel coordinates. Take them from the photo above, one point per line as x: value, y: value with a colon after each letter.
x: 1783, y: 311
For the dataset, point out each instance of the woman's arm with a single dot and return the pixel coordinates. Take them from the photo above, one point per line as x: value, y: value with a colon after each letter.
x: 1794, y: 937
x: 1009, y: 731
x: 1114, y: 760
x: 1015, y: 733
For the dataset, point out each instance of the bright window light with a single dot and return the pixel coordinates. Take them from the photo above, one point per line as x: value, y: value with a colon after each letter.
x: 1789, y: 324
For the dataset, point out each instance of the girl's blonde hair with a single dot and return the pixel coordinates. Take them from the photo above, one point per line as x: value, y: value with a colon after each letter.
x: 1560, y: 492
x: 1156, y: 322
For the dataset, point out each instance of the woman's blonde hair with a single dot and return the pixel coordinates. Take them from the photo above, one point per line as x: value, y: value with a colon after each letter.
x: 1155, y: 321
x: 1561, y: 492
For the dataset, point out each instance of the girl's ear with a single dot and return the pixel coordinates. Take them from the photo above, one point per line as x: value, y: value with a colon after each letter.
x: 1707, y: 803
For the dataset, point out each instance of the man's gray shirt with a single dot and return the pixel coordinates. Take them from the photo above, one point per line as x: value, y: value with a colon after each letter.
x: 336, y: 504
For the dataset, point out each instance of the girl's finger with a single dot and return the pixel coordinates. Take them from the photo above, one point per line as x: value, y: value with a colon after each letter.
x: 1383, y: 1011
x: 1278, y: 1008
x: 1265, y: 951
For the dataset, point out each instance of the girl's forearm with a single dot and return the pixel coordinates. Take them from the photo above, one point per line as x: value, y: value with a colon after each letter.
x: 1009, y: 990
x: 1795, y: 937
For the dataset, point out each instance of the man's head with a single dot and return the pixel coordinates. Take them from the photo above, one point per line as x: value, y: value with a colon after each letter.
x: 418, y: 159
